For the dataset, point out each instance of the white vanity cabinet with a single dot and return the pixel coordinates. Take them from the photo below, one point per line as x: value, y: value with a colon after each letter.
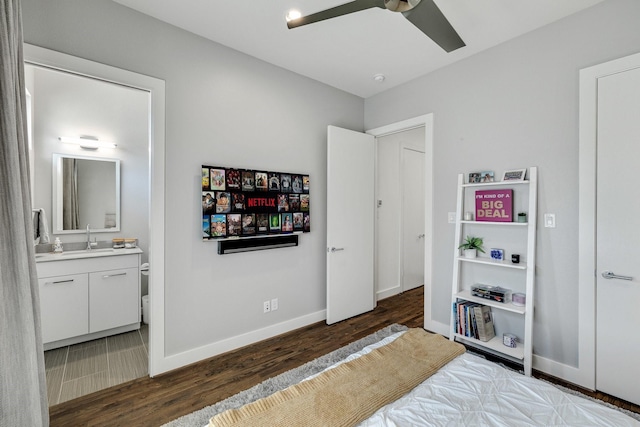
x: 114, y: 298
x: 63, y: 306
x: 88, y: 296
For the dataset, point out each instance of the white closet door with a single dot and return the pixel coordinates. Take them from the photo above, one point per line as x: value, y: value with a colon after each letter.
x: 618, y: 229
x: 413, y: 219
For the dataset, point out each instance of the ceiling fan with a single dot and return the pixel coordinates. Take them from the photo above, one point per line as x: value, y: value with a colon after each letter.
x: 424, y: 14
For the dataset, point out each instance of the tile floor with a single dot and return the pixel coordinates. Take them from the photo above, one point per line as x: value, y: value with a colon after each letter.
x: 90, y: 366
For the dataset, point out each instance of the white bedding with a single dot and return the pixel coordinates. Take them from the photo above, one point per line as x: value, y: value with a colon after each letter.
x: 472, y: 391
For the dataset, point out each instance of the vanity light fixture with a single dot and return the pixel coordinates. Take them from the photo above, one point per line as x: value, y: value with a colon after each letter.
x: 87, y: 142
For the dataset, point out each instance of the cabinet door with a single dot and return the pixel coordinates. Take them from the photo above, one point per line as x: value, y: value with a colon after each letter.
x: 114, y: 299
x: 64, y: 306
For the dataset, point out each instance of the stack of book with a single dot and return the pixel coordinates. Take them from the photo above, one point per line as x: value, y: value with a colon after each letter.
x: 473, y: 320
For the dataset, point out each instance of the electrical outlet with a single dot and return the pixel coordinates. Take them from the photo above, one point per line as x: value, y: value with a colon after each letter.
x: 452, y: 217
x: 274, y: 304
x: 267, y: 306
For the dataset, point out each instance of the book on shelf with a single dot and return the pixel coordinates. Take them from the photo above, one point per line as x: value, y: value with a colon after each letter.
x: 484, y: 322
x: 473, y: 320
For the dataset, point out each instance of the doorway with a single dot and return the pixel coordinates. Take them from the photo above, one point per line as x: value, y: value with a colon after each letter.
x: 400, y: 211
x: 422, y: 124
x: 153, y: 190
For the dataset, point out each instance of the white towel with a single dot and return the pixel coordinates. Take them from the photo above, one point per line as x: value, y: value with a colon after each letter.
x: 40, y: 227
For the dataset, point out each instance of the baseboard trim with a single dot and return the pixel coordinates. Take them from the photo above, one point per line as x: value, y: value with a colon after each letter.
x: 559, y: 370
x: 180, y: 360
x: 386, y: 293
x: 437, y: 327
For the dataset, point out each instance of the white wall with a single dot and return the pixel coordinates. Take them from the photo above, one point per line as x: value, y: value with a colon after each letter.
x: 222, y: 108
x: 389, y: 215
x: 514, y: 106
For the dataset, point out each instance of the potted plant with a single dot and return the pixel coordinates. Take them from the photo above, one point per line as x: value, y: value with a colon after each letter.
x: 471, y: 246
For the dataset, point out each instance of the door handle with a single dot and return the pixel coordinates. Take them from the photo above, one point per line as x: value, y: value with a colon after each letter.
x: 610, y: 275
x: 336, y: 249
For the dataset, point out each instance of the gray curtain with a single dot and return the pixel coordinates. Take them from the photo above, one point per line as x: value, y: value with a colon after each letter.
x: 23, y: 392
x: 70, y: 207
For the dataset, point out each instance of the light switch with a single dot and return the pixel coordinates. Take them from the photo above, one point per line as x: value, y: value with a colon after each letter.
x: 452, y: 217
x: 550, y: 220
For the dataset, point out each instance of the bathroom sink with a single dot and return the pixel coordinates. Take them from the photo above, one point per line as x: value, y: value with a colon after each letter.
x: 88, y: 252
x: 83, y: 253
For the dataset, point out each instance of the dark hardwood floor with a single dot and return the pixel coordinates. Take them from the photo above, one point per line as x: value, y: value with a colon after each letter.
x: 155, y: 401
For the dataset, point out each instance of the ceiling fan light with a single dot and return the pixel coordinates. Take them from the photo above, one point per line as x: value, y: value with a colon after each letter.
x: 400, y: 5
x: 292, y: 15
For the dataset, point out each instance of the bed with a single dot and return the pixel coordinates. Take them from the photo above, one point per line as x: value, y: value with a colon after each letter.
x: 381, y: 386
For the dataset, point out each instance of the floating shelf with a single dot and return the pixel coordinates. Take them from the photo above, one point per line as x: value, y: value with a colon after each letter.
x: 511, y: 224
x: 496, y: 183
x: 495, y: 345
x: 488, y: 261
x: 231, y: 246
x: 466, y: 295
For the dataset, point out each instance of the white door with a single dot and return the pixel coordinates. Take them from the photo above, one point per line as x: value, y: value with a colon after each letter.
x: 350, y: 226
x: 618, y: 228
x: 413, y: 235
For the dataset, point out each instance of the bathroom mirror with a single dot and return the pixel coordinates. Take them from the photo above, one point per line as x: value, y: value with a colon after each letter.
x: 86, y: 190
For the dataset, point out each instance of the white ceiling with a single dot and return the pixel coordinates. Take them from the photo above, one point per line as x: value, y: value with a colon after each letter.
x: 346, y: 52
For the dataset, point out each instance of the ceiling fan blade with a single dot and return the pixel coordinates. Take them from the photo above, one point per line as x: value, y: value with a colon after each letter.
x: 431, y: 21
x: 344, y: 9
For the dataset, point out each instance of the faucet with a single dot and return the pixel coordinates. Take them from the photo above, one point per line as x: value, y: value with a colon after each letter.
x: 88, y: 238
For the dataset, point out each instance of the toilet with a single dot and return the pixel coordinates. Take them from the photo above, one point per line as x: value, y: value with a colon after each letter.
x: 145, y: 309
x: 144, y: 271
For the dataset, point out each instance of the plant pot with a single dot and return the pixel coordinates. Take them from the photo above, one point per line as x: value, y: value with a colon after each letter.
x: 470, y: 253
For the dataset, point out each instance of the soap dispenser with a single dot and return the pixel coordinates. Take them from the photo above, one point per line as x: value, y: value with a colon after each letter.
x: 57, y: 246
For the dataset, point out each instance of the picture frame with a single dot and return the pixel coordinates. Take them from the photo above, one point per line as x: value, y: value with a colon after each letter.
x: 497, y: 254
x: 514, y: 175
x: 487, y: 176
x: 474, y: 177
